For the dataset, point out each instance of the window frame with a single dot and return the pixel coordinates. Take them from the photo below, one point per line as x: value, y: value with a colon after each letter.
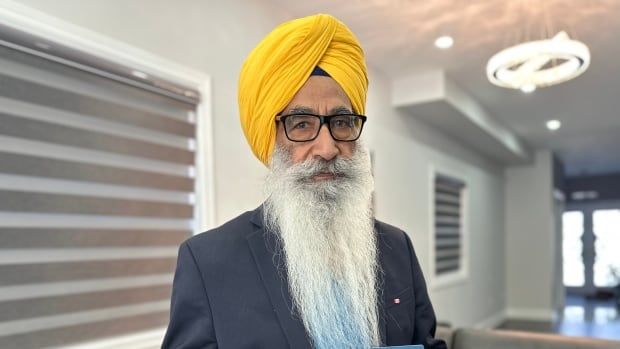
x: 52, y: 30
x: 440, y: 281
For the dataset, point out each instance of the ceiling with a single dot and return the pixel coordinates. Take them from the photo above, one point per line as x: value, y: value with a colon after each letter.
x: 398, y: 36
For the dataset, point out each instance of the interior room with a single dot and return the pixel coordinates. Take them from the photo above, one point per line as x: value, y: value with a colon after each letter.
x: 493, y: 128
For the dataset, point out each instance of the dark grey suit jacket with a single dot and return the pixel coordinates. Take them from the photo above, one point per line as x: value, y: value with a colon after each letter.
x: 228, y: 292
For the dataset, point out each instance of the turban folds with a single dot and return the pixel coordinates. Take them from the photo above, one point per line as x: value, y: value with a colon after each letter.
x: 282, y: 62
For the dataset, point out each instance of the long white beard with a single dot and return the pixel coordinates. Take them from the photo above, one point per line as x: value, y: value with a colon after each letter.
x: 326, y: 229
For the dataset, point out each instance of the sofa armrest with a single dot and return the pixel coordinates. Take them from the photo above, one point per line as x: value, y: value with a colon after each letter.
x: 494, y: 339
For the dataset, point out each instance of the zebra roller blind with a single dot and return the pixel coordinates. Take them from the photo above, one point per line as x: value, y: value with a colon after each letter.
x: 96, y: 193
x: 448, y: 224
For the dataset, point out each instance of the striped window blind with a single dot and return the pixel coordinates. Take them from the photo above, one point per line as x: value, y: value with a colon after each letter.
x: 448, y: 224
x: 96, y: 193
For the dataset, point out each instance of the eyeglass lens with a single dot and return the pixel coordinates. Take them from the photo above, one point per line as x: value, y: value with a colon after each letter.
x: 302, y: 127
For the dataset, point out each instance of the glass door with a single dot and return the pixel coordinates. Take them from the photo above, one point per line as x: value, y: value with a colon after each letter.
x: 591, y: 247
x: 606, y: 228
x: 572, y: 248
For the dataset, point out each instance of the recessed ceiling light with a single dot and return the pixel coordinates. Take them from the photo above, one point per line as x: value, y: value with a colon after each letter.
x: 528, y: 88
x: 553, y: 125
x: 444, y: 42
x: 139, y: 74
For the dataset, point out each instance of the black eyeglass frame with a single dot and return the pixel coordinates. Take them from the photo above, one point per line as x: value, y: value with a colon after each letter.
x: 323, y: 120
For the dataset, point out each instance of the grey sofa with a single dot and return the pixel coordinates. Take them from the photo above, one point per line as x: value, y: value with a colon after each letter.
x: 501, y: 339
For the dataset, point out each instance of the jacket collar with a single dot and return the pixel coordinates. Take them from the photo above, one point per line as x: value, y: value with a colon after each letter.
x: 256, y: 217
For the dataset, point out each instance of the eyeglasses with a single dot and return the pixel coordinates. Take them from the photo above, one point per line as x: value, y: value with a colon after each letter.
x: 306, y: 127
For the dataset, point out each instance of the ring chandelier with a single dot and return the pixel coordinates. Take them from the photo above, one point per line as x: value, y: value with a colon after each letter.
x: 539, y: 63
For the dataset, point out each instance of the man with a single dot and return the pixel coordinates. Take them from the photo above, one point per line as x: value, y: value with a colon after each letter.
x: 310, y: 268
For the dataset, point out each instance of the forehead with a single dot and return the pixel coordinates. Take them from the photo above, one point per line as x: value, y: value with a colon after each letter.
x: 320, y: 94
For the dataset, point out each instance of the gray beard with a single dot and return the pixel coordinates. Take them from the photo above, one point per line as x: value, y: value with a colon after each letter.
x: 326, y: 230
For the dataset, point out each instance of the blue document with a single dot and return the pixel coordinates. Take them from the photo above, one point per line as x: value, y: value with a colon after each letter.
x: 417, y: 346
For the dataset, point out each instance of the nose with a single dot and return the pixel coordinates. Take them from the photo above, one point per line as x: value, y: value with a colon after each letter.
x: 324, y: 145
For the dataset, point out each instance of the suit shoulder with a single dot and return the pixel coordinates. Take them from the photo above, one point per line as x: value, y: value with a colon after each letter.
x: 394, y: 238
x: 229, y: 233
x: 389, y: 231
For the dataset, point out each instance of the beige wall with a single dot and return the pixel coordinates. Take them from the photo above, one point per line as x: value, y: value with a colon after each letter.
x: 215, y: 36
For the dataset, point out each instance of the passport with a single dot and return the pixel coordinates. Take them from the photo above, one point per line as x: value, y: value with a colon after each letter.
x: 417, y: 346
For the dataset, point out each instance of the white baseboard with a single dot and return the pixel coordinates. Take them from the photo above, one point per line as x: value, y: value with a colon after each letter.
x: 143, y: 340
x: 492, y: 321
x: 530, y: 314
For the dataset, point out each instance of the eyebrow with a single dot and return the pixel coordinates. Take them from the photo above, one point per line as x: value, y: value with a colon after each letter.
x: 299, y: 109
x: 340, y: 110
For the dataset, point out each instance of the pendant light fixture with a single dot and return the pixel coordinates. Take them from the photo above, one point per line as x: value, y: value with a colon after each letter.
x: 540, y: 63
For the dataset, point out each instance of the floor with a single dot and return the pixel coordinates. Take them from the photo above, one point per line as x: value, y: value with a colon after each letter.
x: 581, y: 317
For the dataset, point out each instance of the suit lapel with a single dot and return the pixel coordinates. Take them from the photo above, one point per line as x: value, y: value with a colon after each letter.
x: 264, y: 247
x: 382, y: 323
x: 383, y: 280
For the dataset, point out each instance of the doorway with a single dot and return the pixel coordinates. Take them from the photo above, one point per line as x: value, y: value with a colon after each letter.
x: 590, y: 244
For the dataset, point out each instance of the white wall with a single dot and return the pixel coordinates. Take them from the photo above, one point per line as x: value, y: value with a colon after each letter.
x: 404, y: 149
x: 531, y: 240
x: 215, y: 36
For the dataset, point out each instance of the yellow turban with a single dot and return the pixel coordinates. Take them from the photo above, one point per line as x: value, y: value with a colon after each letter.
x: 278, y: 67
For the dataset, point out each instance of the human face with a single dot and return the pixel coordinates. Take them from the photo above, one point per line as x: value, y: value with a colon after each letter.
x: 319, y: 95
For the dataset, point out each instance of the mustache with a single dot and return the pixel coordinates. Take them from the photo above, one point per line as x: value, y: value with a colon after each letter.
x: 340, y: 168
